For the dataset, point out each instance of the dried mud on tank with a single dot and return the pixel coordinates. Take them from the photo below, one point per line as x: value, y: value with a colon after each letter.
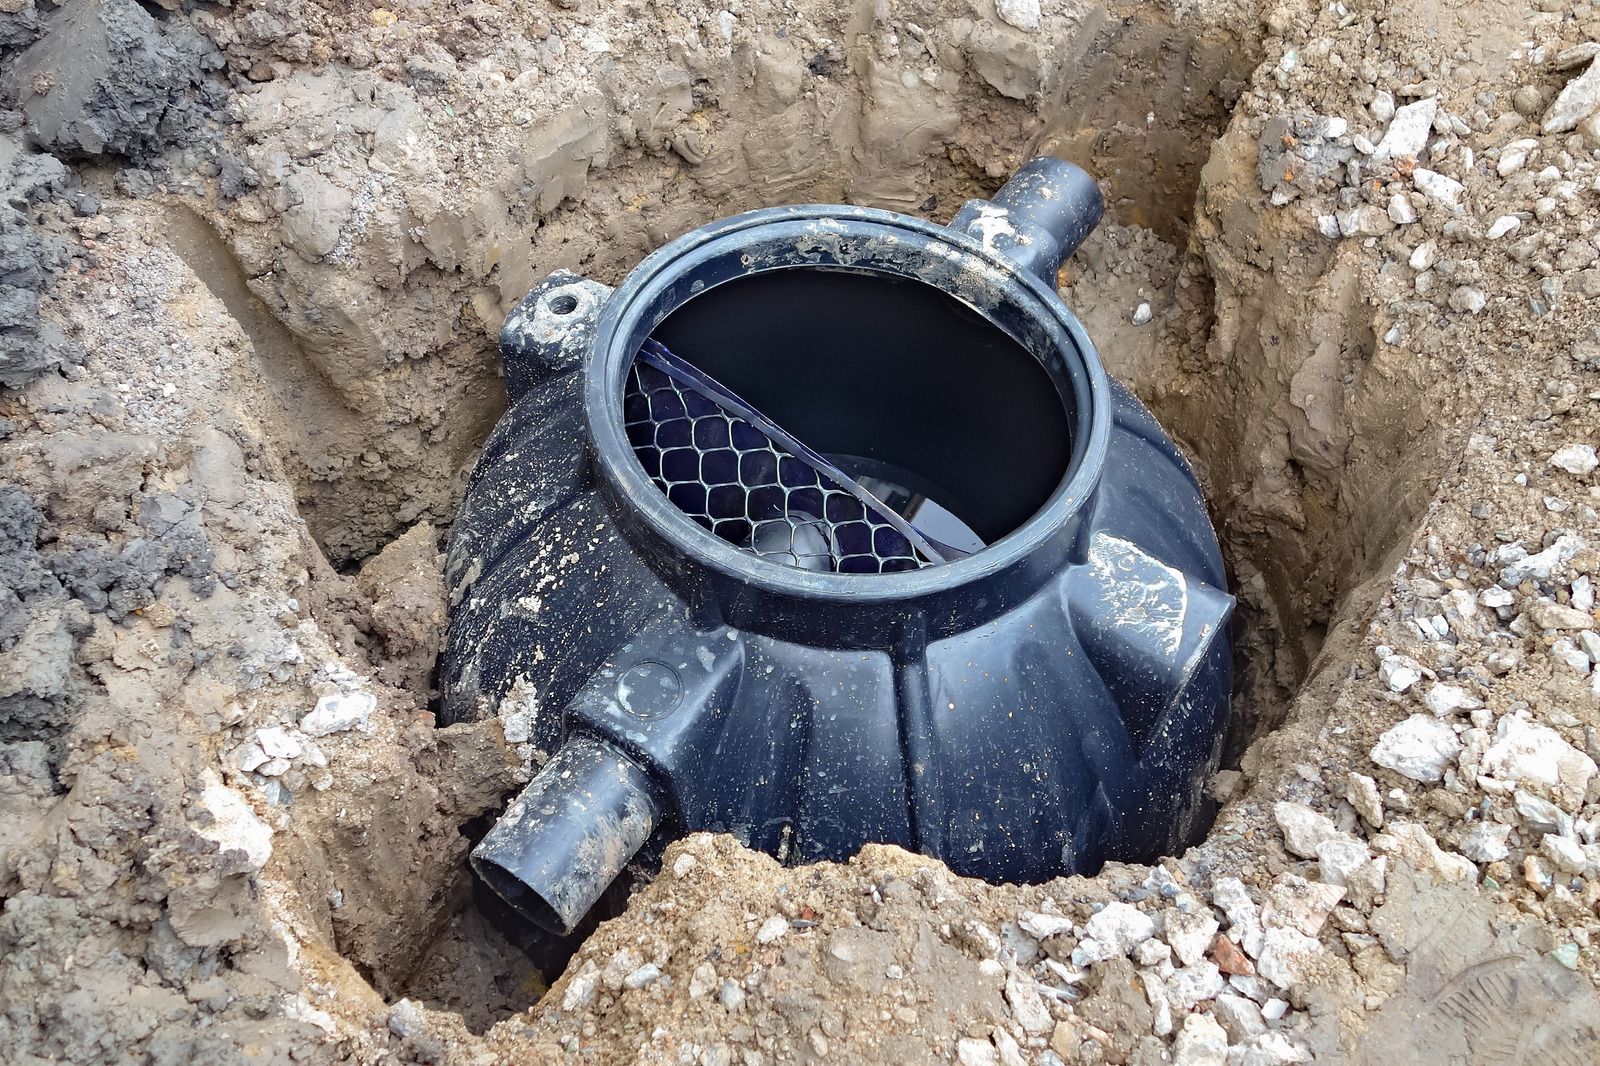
x: 252, y: 260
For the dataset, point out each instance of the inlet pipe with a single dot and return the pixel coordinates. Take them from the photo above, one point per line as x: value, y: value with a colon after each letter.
x: 569, y: 833
x: 1039, y: 217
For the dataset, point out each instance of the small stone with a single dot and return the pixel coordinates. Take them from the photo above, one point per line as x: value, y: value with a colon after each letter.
x: 1295, y: 903
x: 1421, y: 747
x: 274, y: 767
x: 974, y: 1052
x: 1190, y: 985
x: 643, y: 977
x: 1239, y: 1016
x: 1026, y: 1004
x: 1365, y: 220
x: 702, y: 980
x: 1576, y: 56
x: 619, y: 966
x: 1583, y: 593
x: 1562, y: 651
x: 1328, y: 226
x: 1576, y: 102
x: 1287, y: 955
x: 732, y: 996
x: 1269, y: 1049
x: 1155, y: 993
x: 1534, y: 756
x: 1006, y: 1046
x: 1496, y: 599
x: 1382, y: 105
x: 1023, y: 14
x: 1044, y: 926
x: 1469, y: 299
x: 1233, y: 899
x: 1411, y: 843
x: 248, y: 756
x: 1141, y: 315
x: 1229, y: 958
x: 1542, y: 816
x: 278, y: 744
x: 1578, y: 459
x: 1341, y: 859
x: 1514, y: 156
x: 1438, y: 188
x: 772, y: 929
x: 1201, y: 1042
x: 1445, y: 699
x: 406, y: 1019
x: 1485, y: 841
x: 683, y: 865
x: 1401, y: 213
x: 1399, y: 672
x: 1425, y: 255
x: 1303, y: 829
x: 1362, y: 792
x: 1408, y: 132
x: 1565, y: 853
x: 233, y: 824
x: 339, y: 712
x: 1191, y: 934
x: 1113, y: 932
x: 1566, y: 955
x: 1503, y: 225
x: 1064, y: 1039
x: 1539, y: 566
x: 581, y: 989
x: 1274, y: 1009
x: 1152, y: 952
x: 1548, y: 614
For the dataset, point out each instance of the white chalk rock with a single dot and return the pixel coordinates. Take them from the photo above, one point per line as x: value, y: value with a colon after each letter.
x: 1399, y: 672
x: 1486, y: 841
x: 1421, y: 747
x: 233, y: 824
x: 1304, y: 830
x: 1023, y: 14
x: 1536, y: 758
x: 1190, y: 934
x: 1445, y: 699
x: 1114, y: 932
x: 339, y: 712
x: 1201, y: 1042
x: 1408, y: 133
x: 1579, y: 100
x: 1539, y: 566
x: 1579, y: 459
x: 1438, y: 188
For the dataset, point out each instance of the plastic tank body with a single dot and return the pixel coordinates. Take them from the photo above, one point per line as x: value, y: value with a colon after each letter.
x: 1045, y: 695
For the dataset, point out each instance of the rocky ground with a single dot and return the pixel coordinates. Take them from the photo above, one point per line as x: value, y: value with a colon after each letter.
x: 252, y: 259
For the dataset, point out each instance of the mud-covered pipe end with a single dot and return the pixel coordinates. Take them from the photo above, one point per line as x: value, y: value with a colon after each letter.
x: 1039, y: 217
x: 569, y: 833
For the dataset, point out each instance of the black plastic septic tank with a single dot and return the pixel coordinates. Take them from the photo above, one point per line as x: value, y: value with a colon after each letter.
x: 826, y: 526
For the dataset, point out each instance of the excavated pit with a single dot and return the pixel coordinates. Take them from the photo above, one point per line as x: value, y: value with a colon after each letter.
x: 1315, y: 465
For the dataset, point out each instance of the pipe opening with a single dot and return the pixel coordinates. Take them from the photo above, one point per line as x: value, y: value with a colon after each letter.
x: 523, y: 899
x: 941, y: 416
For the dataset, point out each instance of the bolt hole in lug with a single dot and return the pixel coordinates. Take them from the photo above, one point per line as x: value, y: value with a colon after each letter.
x: 563, y: 303
x: 827, y: 527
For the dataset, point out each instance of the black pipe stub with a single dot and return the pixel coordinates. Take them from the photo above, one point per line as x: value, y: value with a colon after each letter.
x: 865, y: 546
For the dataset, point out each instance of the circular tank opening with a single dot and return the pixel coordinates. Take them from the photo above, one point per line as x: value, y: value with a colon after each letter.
x: 940, y: 415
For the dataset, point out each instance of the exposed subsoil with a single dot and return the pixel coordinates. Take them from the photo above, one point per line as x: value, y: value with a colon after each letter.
x: 252, y: 262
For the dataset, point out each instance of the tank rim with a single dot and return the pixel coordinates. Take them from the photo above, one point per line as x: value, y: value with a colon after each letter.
x: 1050, y: 534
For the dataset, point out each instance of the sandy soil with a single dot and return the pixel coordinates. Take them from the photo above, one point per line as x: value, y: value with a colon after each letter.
x: 252, y: 260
